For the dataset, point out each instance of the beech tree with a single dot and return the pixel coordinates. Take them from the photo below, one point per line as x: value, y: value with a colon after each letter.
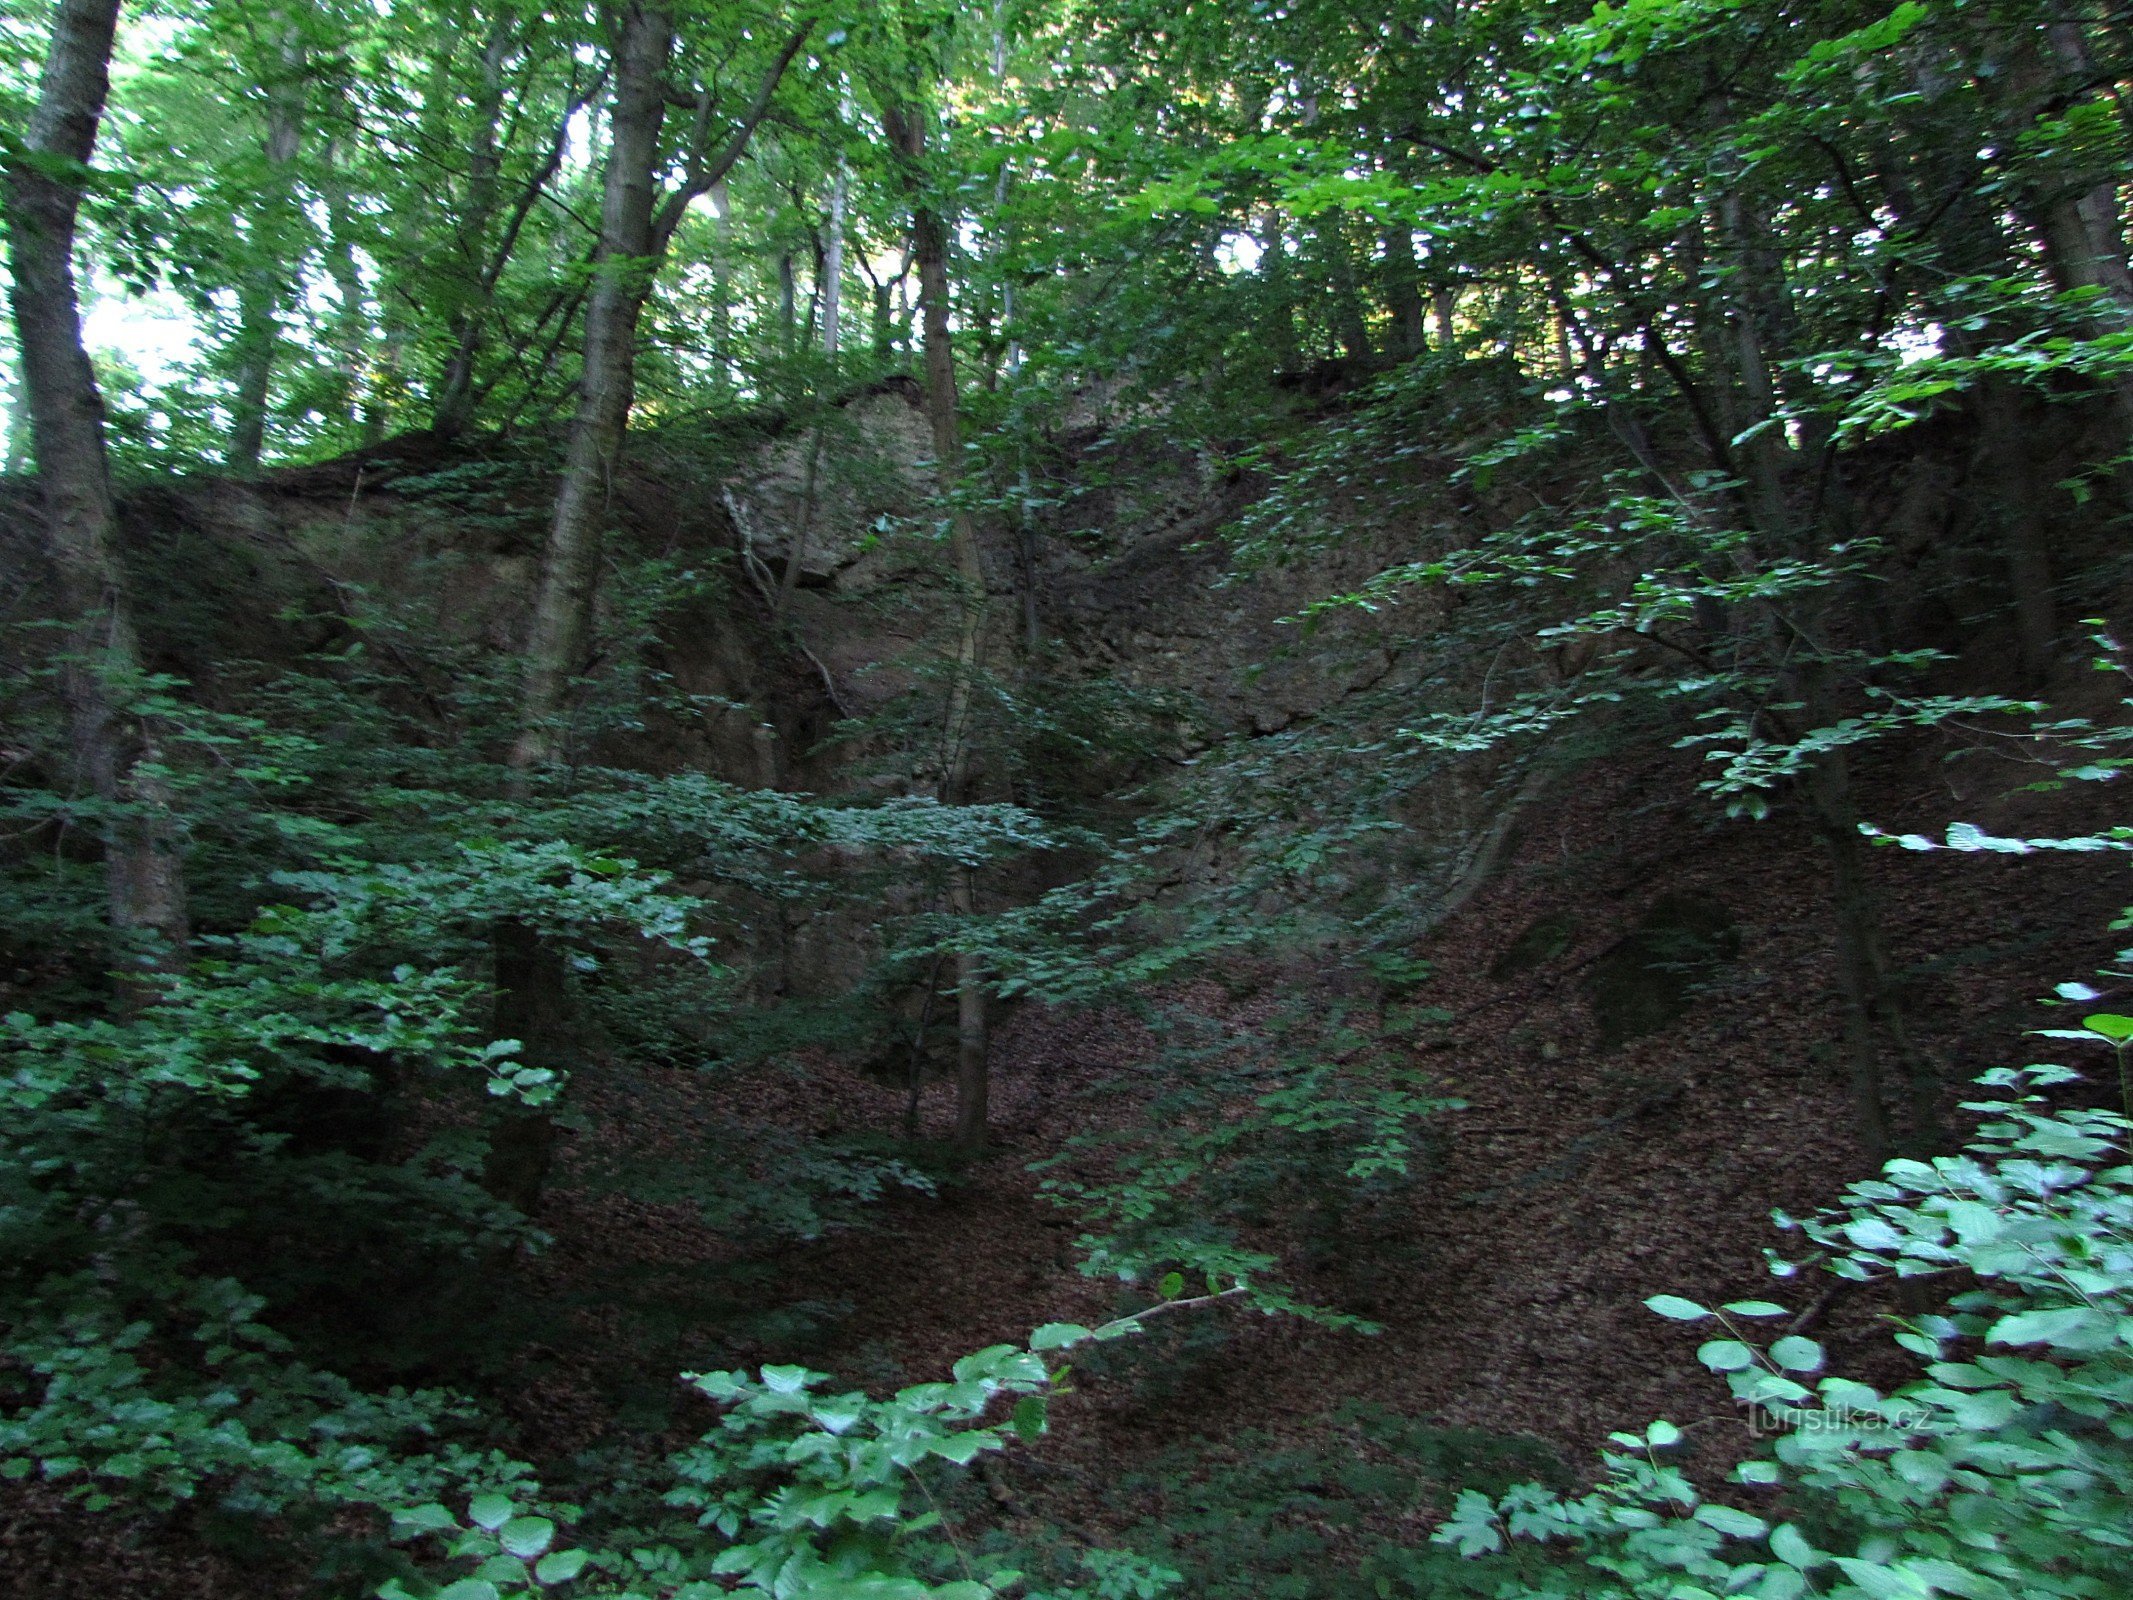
x: 904, y: 125
x: 637, y: 224
x: 115, y: 744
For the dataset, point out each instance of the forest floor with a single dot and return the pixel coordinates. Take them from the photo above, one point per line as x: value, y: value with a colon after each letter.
x: 1508, y: 1280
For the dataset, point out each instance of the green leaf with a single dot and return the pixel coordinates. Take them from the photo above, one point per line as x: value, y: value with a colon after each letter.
x: 1672, y: 1305
x: 1725, y: 1355
x: 961, y: 1448
x: 1029, y: 1417
x: 1883, y: 1583
x: 1753, y: 1308
x: 1796, y: 1354
x: 2110, y: 1024
x: 1058, y: 1336
x: 560, y: 1566
x: 1790, y: 1546
x: 469, y: 1589
x: 1738, y: 1524
x: 1172, y: 1286
x: 838, y: 1416
x: 526, y: 1537
x: 412, y: 1521
x: 2070, y: 1327
x: 490, y: 1511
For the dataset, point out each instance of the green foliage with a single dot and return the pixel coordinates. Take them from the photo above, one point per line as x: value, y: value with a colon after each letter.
x: 226, y: 1185
x: 797, y: 1493
x: 1995, y: 1472
x: 1251, y: 1150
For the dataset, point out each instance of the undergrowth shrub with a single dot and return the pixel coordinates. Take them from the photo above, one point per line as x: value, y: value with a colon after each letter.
x: 2001, y: 1472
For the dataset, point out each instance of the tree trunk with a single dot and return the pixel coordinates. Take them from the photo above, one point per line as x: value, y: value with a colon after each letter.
x: 1403, y: 292
x: 788, y: 297
x: 634, y: 235
x: 1764, y: 457
x: 2090, y: 247
x: 455, y: 389
x: 528, y: 973
x: 2005, y: 473
x: 113, y: 745
x: 562, y: 618
x: 1444, y: 306
x: 929, y: 245
x: 803, y: 523
x: 530, y: 1007
x: 1274, y: 269
x: 722, y: 361
x: 272, y: 249
x: 882, y: 306
x: 832, y: 287
x: 635, y: 229
x: 20, y: 450
x: 2003, y: 469
x: 1349, y: 323
x: 829, y: 274
x: 1874, y: 1012
x: 352, y: 328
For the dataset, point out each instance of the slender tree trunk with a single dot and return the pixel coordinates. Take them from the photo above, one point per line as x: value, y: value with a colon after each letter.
x: 2084, y: 249
x: 2009, y: 492
x: 811, y: 318
x: 352, y: 326
x: 1348, y: 319
x: 1444, y: 306
x: 2090, y: 242
x: 2005, y: 474
x: 1750, y: 317
x: 1403, y: 293
x: 832, y: 290
x: 722, y: 284
x: 562, y: 618
x: 2043, y: 67
x: 528, y: 971
x: 272, y: 246
x: 634, y: 235
x: 1274, y: 268
x: 113, y: 745
x: 385, y: 390
x: 829, y: 274
x: 803, y: 522
x: 1765, y: 456
x: 635, y: 229
x: 1859, y: 965
x: 531, y: 1007
x: 929, y: 245
x: 455, y: 389
x: 884, y: 325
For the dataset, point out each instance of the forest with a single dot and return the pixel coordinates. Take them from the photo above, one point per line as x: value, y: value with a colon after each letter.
x: 1066, y: 799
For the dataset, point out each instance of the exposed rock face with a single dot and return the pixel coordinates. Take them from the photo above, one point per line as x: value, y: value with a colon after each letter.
x: 1122, y: 573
